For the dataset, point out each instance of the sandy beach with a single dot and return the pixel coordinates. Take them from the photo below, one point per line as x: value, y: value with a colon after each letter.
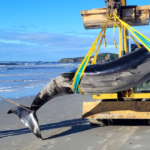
x: 63, y: 129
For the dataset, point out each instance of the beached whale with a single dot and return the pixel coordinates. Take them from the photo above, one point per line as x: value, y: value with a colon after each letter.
x: 121, y: 74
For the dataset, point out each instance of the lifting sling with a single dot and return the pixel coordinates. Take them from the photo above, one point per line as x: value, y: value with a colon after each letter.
x: 117, y: 22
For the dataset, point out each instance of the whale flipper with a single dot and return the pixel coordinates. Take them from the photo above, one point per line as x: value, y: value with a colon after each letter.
x: 29, y: 119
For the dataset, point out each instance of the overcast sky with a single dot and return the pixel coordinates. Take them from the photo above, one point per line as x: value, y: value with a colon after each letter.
x: 48, y: 30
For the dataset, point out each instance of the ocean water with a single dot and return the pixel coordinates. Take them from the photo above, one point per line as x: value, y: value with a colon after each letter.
x: 20, y: 79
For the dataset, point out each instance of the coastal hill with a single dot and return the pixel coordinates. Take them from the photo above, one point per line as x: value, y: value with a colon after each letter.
x: 100, y: 58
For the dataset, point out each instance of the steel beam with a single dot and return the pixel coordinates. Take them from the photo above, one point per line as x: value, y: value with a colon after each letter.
x: 126, y: 41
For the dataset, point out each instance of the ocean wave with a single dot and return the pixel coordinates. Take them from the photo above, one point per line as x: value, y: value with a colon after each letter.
x: 26, y: 74
x: 29, y: 87
x: 9, y: 90
x: 4, y: 81
x: 30, y: 76
x: 8, y: 63
x: 38, y: 67
x: 34, y: 62
x: 37, y: 64
x: 2, y: 65
x: 47, y: 69
x: 22, y: 86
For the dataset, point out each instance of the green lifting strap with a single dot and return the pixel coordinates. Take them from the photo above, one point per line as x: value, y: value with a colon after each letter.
x: 143, y: 40
x: 77, y: 81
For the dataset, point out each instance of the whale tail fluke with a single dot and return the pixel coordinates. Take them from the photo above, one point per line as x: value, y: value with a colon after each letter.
x: 29, y: 119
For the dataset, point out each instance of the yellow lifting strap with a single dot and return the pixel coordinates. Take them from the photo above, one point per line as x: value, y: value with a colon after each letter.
x: 115, y: 24
x: 140, y: 37
x: 81, y: 69
x: 114, y: 35
x: 96, y: 52
x: 95, y: 57
x: 138, y: 45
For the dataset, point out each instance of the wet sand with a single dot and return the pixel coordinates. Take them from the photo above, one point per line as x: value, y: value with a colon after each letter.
x: 63, y: 129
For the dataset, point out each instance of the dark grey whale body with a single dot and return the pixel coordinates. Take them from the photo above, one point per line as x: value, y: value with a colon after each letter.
x: 115, y: 76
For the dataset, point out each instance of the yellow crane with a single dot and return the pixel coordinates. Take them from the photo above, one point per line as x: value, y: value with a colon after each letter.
x: 110, y: 105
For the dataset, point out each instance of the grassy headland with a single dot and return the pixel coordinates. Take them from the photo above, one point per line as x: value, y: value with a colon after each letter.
x: 100, y: 58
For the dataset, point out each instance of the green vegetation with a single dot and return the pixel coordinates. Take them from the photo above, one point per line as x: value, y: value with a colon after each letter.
x: 100, y: 58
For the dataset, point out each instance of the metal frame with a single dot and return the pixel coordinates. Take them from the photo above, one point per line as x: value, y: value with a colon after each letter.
x: 126, y: 95
x: 126, y: 41
x: 126, y: 109
x: 123, y: 47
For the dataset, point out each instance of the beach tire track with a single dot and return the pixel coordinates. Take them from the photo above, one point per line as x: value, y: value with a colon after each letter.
x: 42, y: 143
x: 118, y: 139
x: 47, y: 138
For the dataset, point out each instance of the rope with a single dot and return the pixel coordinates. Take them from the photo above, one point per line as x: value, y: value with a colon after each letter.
x: 15, y: 103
